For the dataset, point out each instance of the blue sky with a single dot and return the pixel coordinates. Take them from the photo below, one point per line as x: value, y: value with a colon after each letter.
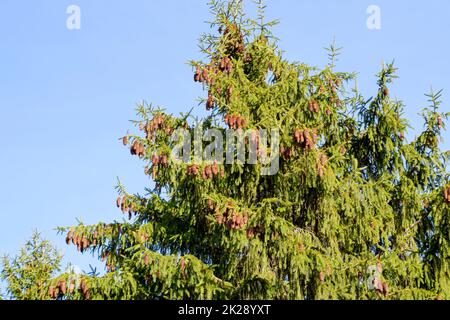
x: 66, y: 95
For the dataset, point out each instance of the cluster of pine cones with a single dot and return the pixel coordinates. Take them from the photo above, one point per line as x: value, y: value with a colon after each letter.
x: 207, y: 74
x: 209, y: 171
x: 231, y: 218
x: 210, y: 103
x: 160, y: 160
x: 287, y: 152
x: 226, y: 65
x: 138, y: 149
x: 306, y: 138
x: 235, y: 121
x: 154, y: 125
x: 126, y: 206
x: 235, y: 42
x: 81, y: 242
x: 62, y: 289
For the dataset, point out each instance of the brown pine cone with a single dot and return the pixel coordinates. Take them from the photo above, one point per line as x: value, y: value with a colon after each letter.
x: 297, y: 135
x: 385, y: 289
x: 322, y: 276
x: 164, y: 160
x: 72, y: 287
x: 52, y: 292
x: 211, y: 204
x: 227, y: 119
x: 316, y: 106
x: 215, y: 168
x: 323, y: 160
x: 182, y: 265
x: 155, y: 160
x: 232, y: 122
x: 155, y: 173
x: 62, y: 287
x: 321, y: 172
x: 84, y: 286
x: 220, y: 219
x: 230, y: 91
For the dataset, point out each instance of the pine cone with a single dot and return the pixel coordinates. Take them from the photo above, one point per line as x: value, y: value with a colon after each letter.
x: 385, y: 289
x: 155, y: 160
x: 323, y: 160
x: 316, y: 106
x: 52, y: 292
x: 232, y: 122
x: 62, y: 287
x: 209, y: 172
x: 164, y: 160
x: 84, y: 286
x: 297, y: 135
x: 220, y: 219
x: 211, y: 204
x: 215, y: 168
x: 85, y: 243
x: 230, y: 91
x: 155, y: 173
x: 322, y: 276
x: 227, y: 119
x: 141, y: 151
x: 321, y: 172
x: 72, y: 287
x: 182, y: 265
x: 69, y: 237
x: 223, y: 64
x: 133, y: 149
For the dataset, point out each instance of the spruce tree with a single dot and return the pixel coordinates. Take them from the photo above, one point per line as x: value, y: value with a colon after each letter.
x: 354, y: 212
x: 28, y: 275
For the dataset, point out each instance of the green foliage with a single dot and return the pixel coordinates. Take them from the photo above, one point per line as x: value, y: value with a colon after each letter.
x: 28, y: 275
x: 355, y: 212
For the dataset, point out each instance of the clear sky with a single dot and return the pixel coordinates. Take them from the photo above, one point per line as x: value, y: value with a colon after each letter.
x: 66, y: 95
